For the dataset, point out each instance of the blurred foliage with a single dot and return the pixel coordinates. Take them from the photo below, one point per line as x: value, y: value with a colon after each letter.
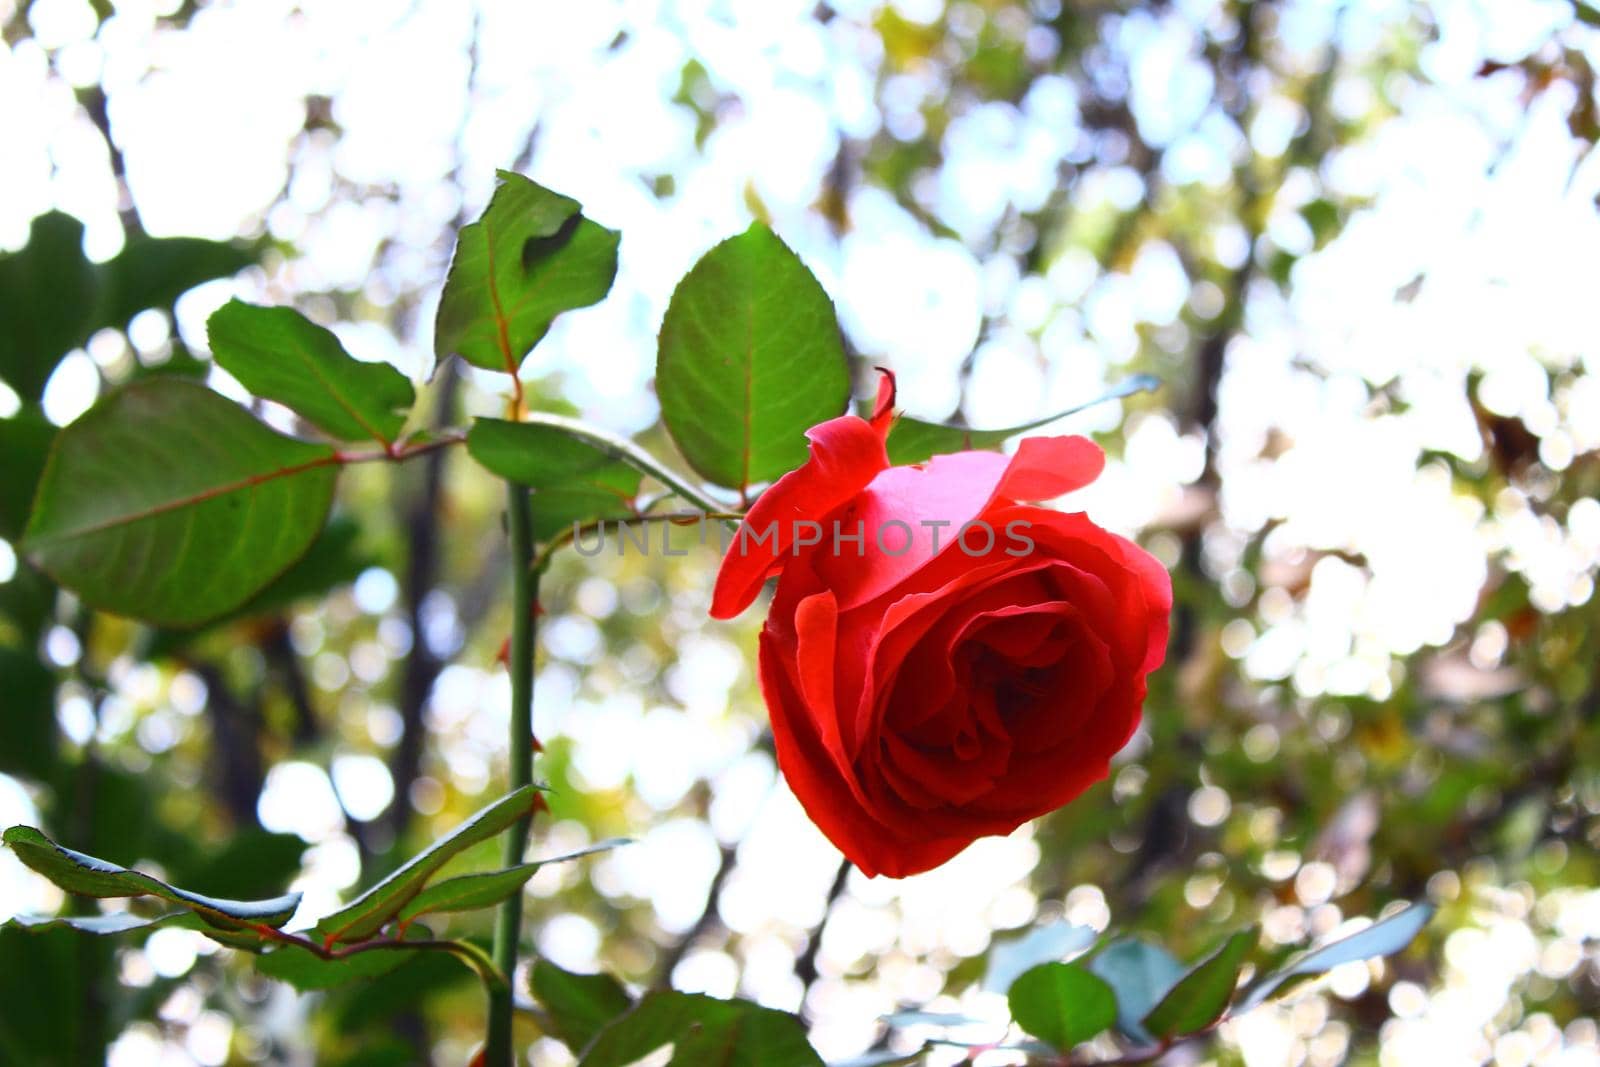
x: 1472, y: 779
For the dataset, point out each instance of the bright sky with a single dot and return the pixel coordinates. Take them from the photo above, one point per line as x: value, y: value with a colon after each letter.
x: 1467, y: 191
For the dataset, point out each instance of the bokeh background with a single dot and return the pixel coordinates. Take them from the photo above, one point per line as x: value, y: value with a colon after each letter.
x: 1357, y: 241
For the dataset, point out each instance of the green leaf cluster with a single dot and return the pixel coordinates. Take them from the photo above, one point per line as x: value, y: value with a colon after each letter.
x: 52, y: 298
x: 1138, y: 989
x: 373, y: 934
x: 594, y: 1016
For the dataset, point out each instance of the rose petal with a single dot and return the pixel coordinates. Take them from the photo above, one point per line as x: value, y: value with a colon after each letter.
x: 1078, y: 682
x: 925, y: 507
x: 1047, y: 467
x: 1086, y: 566
x: 903, y: 625
x: 883, y: 408
x: 846, y: 453
x: 1158, y: 598
x: 816, y: 622
x: 1145, y: 608
x: 813, y: 777
x: 1022, y: 633
x: 853, y: 826
x: 943, y: 779
x: 934, y: 654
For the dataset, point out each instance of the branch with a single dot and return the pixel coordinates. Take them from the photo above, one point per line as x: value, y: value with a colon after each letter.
x: 707, y: 921
x: 468, y: 953
x: 422, y: 667
x: 281, y: 659
x: 94, y: 103
x: 398, y: 452
x: 805, y: 965
x: 235, y: 735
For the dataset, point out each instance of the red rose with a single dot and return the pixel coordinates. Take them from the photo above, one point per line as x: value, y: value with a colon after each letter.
x: 928, y: 689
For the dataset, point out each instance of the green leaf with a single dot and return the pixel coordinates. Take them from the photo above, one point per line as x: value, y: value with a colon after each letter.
x: 52, y: 298
x: 279, y: 354
x: 25, y: 443
x: 587, y: 850
x: 914, y: 441
x: 369, y: 1006
x: 580, y: 1005
x: 471, y: 892
x: 27, y: 715
x: 116, y: 922
x: 47, y: 302
x: 28, y: 602
x: 244, y: 939
x: 1202, y: 995
x: 27, y: 599
x: 367, y: 914
x: 530, y: 257
x: 1049, y: 942
x: 334, y: 559
x: 307, y: 971
x: 153, y: 272
x: 45, y: 980
x: 572, y: 480
x: 704, y: 1032
x: 753, y: 1037
x: 380, y: 1051
x: 1140, y: 974
x: 87, y: 876
x: 750, y: 358
x: 1382, y: 938
x: 168, y: 503
x: 1062, y: 1003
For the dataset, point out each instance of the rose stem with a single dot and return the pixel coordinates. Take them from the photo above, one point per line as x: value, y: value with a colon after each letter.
x: 508, y: 922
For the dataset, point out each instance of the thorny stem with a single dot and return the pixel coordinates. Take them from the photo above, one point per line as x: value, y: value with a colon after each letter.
x: 498, y: 1050
x: 525, y: 571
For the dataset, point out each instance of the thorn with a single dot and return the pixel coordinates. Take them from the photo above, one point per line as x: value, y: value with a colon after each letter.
x: 503, y: 657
